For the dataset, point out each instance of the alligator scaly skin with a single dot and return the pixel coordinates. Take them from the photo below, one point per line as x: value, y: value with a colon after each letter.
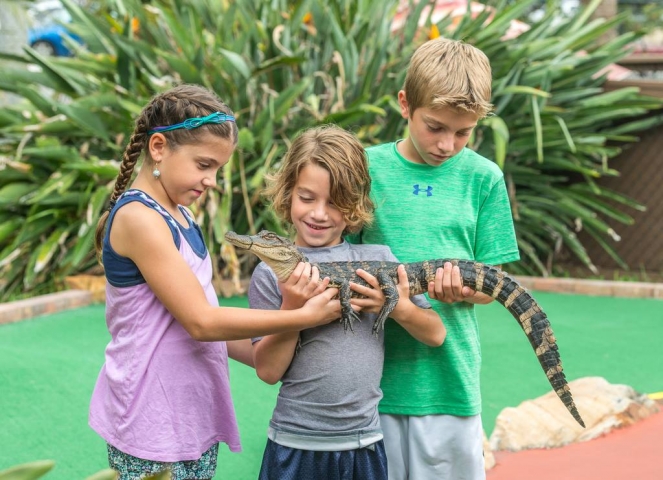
x: 282, y: 257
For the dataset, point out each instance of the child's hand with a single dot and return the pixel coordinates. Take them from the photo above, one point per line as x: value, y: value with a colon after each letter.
x: 324, y: 306
x: 374, y: 296
x: 448, y: 286
x: 303, y: 283
x: 404, y: 301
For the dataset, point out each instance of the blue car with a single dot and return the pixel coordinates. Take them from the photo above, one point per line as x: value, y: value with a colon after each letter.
x: 48, y: 31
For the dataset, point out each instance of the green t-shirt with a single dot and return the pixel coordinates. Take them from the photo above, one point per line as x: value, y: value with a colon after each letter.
x: 457, y: 210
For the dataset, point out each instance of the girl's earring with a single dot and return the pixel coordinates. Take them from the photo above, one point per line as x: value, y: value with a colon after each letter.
x: 156, y: 173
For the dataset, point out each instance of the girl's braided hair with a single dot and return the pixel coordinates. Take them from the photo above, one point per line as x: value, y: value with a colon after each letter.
x: 167, y: 108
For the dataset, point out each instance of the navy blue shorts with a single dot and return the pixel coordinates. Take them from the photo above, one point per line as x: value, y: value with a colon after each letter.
x: 285, y: 463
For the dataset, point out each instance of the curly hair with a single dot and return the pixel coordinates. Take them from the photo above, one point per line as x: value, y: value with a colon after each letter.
x: 342, y: 155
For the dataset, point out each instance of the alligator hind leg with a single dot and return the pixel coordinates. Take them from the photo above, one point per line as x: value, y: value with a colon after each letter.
x: 391, y: 299
x: 348, y: 315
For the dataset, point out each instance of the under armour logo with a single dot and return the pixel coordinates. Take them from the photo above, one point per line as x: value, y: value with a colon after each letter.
x: 429, y: 190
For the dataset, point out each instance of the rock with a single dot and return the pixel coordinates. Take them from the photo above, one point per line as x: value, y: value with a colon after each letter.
x: 488, y: 457
x: 545, y: 423
x: 95, y: 284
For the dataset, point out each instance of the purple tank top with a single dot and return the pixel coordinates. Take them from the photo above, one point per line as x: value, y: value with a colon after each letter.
x: 161, y: 395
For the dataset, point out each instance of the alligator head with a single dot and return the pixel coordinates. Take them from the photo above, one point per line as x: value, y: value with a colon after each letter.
x: 279, y: 253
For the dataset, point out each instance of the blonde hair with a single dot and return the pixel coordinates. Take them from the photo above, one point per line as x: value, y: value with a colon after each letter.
x: 342, y: 155
x: 167, y: 108
x: 449, y: 73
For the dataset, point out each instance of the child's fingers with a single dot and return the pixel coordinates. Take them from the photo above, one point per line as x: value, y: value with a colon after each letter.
x: 372, y: 295
x: 446, y: 280
x: 320, y: 286
x: 329, y: 293
x: 371, y: 290
x: 368, y: 278
x: 306, y: 274
x: 435, y: 289
x: 403, y: 284
x: 296, y: 274
x: 325, y: 305
x: 299, y: 283
x: 402, y: 277
x: 362, y: 302
x: 431, y: 290
x: 361, y: 289
x: 447, y: 286
x: 323, y: 297
x: 315, y: 276
x: 456, y: 284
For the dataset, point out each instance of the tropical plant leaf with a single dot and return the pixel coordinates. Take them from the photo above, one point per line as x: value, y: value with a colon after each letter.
x: 27, y: 471
x: 285, y: 66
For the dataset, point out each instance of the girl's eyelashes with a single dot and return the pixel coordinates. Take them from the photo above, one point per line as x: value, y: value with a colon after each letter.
x: 305, y: 199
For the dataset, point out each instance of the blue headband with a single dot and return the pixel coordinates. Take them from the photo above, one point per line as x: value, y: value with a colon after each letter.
x: 189, y: 123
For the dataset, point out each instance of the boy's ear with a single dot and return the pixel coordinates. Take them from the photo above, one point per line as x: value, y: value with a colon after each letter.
x: 405, y: 108
x: 157, y: 145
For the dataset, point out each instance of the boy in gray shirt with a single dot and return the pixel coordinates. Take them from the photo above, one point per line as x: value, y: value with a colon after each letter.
x: 326, y: 423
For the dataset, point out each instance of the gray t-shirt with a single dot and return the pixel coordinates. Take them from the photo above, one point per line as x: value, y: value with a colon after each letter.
x: 332, y: 386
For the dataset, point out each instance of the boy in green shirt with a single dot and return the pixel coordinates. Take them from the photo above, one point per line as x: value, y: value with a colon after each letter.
x: 437, y: 199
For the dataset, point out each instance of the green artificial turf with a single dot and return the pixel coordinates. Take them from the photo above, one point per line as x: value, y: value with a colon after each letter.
x: 48, y: 367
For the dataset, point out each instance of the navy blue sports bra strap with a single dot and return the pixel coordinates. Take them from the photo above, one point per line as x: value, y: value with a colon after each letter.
x: 188, y: 215
x: 152, y: 203
x: 134, y: 195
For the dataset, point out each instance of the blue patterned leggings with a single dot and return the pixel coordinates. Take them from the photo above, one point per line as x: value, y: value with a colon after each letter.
x: 134, y: 468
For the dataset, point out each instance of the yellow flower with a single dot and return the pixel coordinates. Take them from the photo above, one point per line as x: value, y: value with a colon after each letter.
x: 434, y: 32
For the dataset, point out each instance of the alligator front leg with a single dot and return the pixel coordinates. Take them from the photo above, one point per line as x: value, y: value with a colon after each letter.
x: 390, y: 291
x: 348, y: 315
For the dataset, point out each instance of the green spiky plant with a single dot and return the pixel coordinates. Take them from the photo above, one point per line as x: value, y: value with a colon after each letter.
x: 284, y: 66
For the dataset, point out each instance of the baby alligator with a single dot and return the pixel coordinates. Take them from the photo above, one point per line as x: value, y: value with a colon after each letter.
x: 282, y: 256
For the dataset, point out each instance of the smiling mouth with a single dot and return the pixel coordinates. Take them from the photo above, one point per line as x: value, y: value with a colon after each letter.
x: 315, y: 227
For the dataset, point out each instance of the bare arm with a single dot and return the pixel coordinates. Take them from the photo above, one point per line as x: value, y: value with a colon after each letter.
x: 141, y: 234
x: 423, y: 324
x: 241, y: 351
x: 448, y: 288
x: 273, y: 353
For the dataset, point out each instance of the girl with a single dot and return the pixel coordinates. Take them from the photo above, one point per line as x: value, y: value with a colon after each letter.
x: 162, y: 399
x: 326, y: 424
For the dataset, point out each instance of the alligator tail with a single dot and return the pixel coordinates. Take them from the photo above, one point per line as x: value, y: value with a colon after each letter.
x: 534, y: 322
